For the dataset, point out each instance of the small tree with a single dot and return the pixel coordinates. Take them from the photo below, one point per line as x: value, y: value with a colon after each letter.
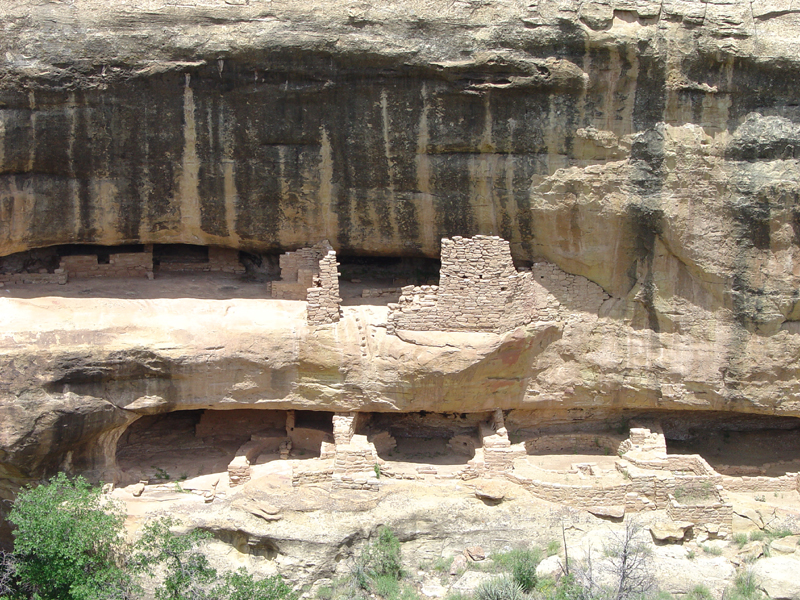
x: 623, y: 575
x: 382, y: 557
x: 68, y: 541
x: 69, y: 544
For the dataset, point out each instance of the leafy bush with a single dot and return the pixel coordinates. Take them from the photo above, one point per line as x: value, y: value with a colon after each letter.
x: 522, y: 565
x: 699, y: 592
x: 382, y: 557
x: 68, y: 540
x: 69, y: 545
x: 745, y: 587
x: 386, y: 586
x: 500, y: 588
x: 740, y: 539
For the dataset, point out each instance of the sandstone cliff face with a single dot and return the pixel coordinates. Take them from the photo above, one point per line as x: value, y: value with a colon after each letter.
x: 650, y: 147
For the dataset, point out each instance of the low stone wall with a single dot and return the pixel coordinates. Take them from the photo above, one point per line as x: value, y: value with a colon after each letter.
x: 320, y: 475
x: 786, y: 483
x: 580, y: 496
x: 717, y: 513
x: 221, y: 260
x: 556, y: 443
x: 688, y: 463
x: 60, y: 277
x: 323, y: 298
x: 128, y: 264
x: 298, y: 270
x: 392, y: 293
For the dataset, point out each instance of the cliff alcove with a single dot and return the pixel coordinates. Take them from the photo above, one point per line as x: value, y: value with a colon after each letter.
x: 292, y: 248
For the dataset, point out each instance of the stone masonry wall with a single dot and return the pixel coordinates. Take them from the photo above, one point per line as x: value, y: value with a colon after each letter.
x: 717, y: 513
x: 556, y: 292
x: 479, y: 290
x: 59, y: 276
x: 127, y: 264
x: 323, y: 298
x: 222, y: 260
x: 298, y: 270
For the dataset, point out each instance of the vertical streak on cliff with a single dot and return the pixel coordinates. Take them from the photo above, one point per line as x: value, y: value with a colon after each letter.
x: 507, y: 229
x: 327, y: 189
x: 487, y: 167
x: 389, y: 161
x: 188, y: 186
x: 72, y: 111
x: 146, y: 186
x: 229, y: 190
x: 32, y: 153
x: 2, y: 140
x: 283, y: 186
x: 426, y: 213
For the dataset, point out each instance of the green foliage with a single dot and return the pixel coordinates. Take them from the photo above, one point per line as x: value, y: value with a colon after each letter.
x: 240, y: 585
x: 712, y: 550
x: 553, y: 547
x: 382, y: 556
x: 68, y: 541
x: 187, y: 572
x: 500, y: 588
x: 442, y: 564
x: 699, y: 592
x: 69, y: 545
x: 522, y: 565
x: 160, y: 474
x: 745, y: 587
x: 757, y: 535
x: 740, y: 539
x: 386, y: 586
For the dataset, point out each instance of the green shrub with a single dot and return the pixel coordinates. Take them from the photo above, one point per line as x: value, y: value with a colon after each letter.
x: 69, y: 545
x: 382, y: 557
x: 699, y: 592
x: 740, y: 539
x: 521, y: 564
x: 241, y: 585
x: 68, y: 540
x: 500, y: 588
x: 757, y: 535
x: 745, y: 587
x: 386, y: 586
x: 712, y: 550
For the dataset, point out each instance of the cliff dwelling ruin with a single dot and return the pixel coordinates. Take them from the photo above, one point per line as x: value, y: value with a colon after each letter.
x: 490, y: 273
x: 612, y: 461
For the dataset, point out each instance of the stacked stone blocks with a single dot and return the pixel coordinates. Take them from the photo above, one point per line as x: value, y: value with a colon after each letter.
x: 59, y: 276
x: 479, y: 290
x: 220, y: 260
x: 125, y: 264
x: 298, y: 270
x: 323, y: 297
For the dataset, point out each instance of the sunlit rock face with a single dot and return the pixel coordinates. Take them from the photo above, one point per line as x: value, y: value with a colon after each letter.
x: 648, y: 146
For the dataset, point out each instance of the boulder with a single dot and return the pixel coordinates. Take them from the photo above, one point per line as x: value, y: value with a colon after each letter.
x: 786, y: 545
x: 751, y: 551
x: 458, y: 565
x: 469, y: 582
x: 550, y: 567
x: 779, y: 577
x: 475, y: 553
x: 670, y: 532
x: 608, y: 512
